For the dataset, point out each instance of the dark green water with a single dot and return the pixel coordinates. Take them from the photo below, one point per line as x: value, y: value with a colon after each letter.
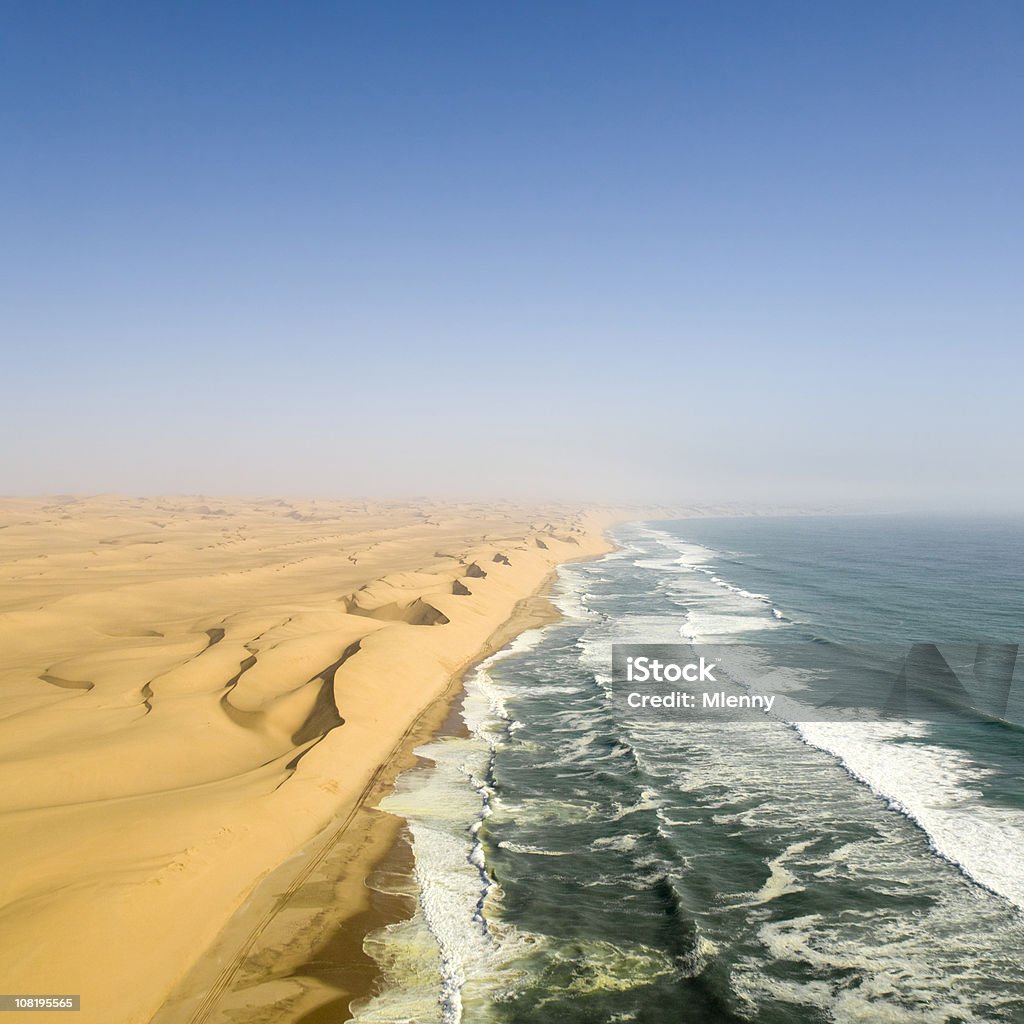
x: 577, y: 863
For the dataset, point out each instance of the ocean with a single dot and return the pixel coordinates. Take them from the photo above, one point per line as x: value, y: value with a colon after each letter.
x: 578, y: 863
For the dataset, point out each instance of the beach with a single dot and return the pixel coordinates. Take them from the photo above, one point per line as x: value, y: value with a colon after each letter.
x: 201, y: 694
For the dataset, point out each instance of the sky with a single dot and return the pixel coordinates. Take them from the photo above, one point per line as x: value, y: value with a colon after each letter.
x: 678, y: 252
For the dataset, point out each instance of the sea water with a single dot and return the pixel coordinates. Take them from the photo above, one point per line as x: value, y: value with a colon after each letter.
x: 576, y: 863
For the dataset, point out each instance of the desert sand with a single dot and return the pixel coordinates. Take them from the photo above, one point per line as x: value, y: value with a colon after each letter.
x: 196, y: 694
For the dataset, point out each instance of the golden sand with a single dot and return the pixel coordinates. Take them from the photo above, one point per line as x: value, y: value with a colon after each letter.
x: 196, y: 693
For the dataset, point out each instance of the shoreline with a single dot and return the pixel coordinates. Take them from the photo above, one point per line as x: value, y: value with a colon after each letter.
x: 533, y: 612
x: 327, y: 943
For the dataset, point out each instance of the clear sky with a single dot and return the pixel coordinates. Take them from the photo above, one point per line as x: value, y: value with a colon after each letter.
x: 629, y: 252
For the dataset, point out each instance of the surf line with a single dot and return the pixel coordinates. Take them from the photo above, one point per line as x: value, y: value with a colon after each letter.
x: 713, y: 701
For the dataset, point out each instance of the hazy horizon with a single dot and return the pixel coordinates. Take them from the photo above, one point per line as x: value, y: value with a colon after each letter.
x: 670, y: 254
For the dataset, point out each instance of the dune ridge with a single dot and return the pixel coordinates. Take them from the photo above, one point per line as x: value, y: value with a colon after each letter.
x: 191, y: 690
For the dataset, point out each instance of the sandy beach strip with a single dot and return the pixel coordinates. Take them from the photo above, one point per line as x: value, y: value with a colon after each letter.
x: 195, y: 694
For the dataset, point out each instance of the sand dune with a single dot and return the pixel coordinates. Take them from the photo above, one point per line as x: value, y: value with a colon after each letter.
x: 190, y: 690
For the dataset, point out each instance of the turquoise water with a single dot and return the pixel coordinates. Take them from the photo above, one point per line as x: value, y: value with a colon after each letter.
x: 577, y: 863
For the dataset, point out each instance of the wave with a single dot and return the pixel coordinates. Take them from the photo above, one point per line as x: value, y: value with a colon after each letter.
x: 932, y: 786
x: 725, y: 585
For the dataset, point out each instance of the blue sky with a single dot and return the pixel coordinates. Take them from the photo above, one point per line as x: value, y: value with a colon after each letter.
x: 651, y: 252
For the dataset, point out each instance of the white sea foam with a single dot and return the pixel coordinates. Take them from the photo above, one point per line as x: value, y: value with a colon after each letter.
x: 725, y: 585
x: 674, y: 823
x: 649, y: 800
x: 445, y: 807
x: 712, y: 605
x: 570, y: 596
x: 936, y: 788
x: 513, y: 847
x: 781, y: 881
x: 623, y: 844
x: 703, y: 625
x: 686, y: 554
